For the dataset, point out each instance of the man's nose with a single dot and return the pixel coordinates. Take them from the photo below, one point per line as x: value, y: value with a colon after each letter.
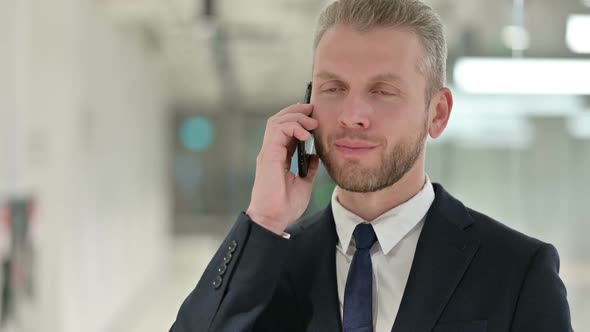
x: 355, y: 112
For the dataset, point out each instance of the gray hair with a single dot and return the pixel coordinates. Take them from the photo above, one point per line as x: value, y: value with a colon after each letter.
x: 365, y: 15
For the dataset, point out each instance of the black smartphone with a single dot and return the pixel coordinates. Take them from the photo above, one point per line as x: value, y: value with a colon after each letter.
x: 305, y: 148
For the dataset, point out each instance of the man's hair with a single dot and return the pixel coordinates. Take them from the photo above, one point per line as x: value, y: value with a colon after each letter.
x: 365, y: 15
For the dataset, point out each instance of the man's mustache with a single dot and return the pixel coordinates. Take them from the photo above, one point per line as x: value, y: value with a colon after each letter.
x: 356, y: 135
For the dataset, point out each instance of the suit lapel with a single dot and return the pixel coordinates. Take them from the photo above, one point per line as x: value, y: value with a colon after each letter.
x: 443, y: 254
x: 315, y: 281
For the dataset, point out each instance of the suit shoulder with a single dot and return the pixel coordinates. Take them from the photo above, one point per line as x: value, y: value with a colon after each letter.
x: 493, y: 232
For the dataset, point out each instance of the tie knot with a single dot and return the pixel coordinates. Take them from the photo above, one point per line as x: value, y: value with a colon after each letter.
x: 364, y: 236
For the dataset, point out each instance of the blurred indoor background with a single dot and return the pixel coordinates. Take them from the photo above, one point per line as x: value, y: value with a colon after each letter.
x: 129, y: 132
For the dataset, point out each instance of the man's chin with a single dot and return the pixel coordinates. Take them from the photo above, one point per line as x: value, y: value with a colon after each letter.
x: 355, y: 179
x: 357, y: 186
x: 362, y: 164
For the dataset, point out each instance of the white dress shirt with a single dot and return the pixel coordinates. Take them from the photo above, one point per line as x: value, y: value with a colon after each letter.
x: 397, y: 234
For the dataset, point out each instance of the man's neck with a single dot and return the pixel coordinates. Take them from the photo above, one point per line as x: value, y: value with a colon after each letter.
x: 369, y: 206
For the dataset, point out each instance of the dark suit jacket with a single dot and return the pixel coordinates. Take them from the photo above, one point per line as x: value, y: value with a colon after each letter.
x: 470, y: 273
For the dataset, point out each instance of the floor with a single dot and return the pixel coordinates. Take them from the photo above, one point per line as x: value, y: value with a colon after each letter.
x: 189, y: 259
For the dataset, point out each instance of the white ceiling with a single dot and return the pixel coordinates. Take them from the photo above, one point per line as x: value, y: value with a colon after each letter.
x: 256, y: 54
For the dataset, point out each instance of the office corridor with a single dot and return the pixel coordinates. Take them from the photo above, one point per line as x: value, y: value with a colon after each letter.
x: 156, y: 308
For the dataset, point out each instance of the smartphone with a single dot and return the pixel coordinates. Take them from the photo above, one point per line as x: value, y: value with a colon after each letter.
x: 305, y: 148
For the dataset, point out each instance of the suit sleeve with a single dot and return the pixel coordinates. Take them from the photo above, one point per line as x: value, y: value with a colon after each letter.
x: 542, y: 304
x: 238, y: 283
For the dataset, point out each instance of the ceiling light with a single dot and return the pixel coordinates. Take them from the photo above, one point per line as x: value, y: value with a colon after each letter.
x: 576, y: 35
x: 523, y: 76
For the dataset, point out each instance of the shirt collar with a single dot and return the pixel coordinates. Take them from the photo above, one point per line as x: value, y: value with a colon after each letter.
x: 391, y: 226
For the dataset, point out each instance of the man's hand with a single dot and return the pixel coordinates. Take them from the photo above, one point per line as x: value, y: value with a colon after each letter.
x: 280, y: 197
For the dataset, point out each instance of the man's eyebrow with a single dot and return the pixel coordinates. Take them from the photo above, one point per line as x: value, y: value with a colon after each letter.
x: 385, y: 77
x: 325, y: 75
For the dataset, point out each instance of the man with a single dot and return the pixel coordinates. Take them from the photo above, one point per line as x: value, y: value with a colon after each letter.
x: 392, y: 252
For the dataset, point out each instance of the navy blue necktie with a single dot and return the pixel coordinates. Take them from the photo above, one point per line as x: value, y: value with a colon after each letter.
x: 358, y: 294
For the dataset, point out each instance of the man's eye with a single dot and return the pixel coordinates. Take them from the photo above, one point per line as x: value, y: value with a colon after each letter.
x: 332, y: 90
x: 383, y: 93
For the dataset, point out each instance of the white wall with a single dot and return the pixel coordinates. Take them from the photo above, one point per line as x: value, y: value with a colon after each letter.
x: 13, y: 88
x: 85, y: 111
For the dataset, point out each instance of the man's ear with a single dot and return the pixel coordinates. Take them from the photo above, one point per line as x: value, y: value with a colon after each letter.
x: 439, y: 112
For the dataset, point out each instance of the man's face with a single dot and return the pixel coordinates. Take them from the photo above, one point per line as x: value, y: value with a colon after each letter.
x: 369, y: 98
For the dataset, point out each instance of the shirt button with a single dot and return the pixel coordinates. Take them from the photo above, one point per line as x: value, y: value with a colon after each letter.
x: 217, y: 282
x: 221, y: 269
x: 232, y: 246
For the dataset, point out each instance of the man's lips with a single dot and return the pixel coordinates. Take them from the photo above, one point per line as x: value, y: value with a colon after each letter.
x: 352, y: 144
x: 353, y: 148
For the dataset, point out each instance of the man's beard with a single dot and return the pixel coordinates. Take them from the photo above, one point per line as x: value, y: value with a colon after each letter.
x: 350, y: 175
